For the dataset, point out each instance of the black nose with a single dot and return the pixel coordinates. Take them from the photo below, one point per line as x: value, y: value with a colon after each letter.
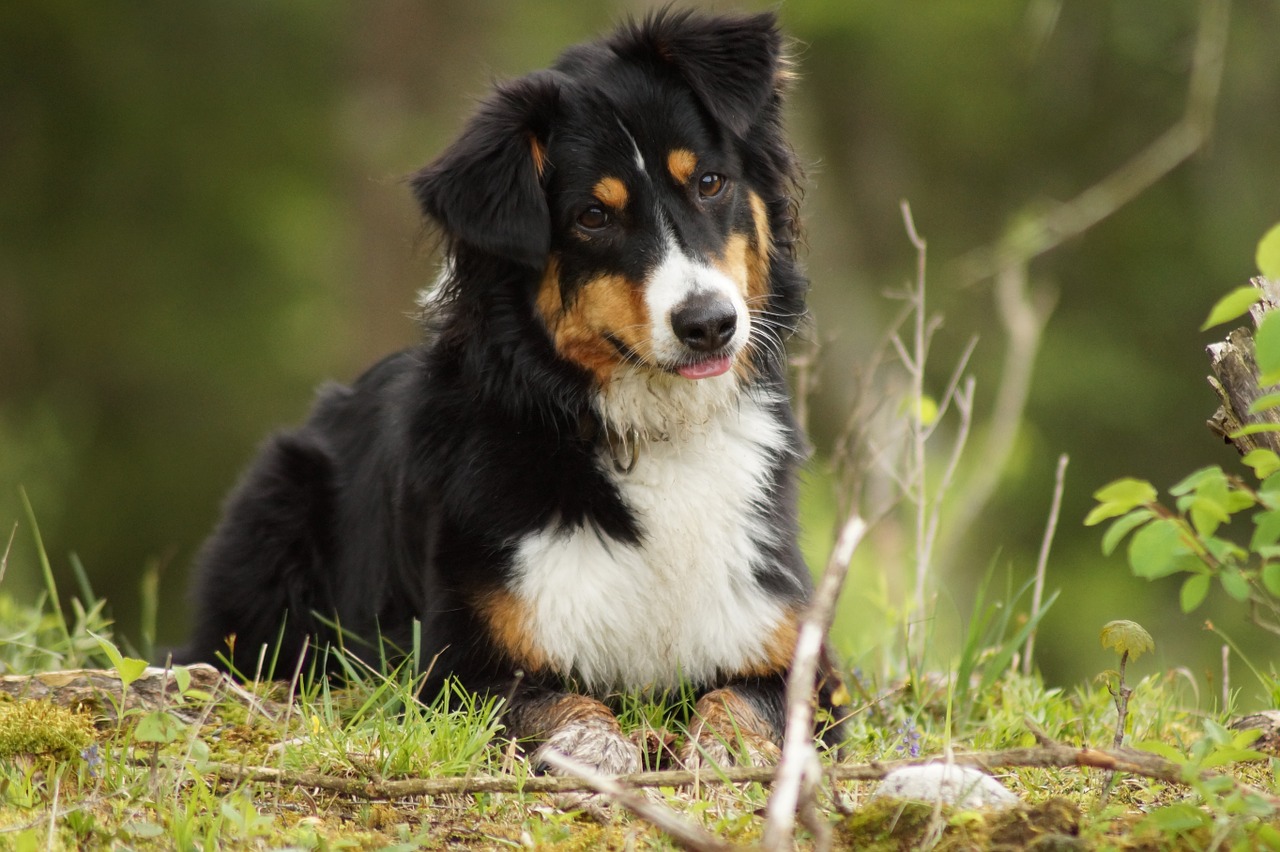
x: 704, y: 322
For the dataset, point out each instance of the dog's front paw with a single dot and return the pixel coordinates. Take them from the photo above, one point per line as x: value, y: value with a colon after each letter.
x: 595, y: 743
x: 713, y: 748
x: 727, y: 731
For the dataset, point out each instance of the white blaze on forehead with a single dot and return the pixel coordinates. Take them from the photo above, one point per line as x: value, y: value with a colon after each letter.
x: 635, y: 149
x: 675, y: 280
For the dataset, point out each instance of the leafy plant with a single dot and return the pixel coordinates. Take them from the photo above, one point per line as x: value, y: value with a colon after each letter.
x: 1188, y: 538
x: 1129, y: 639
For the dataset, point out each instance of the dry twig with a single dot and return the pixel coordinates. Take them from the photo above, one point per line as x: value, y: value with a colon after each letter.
x: 799, y: 765
x: 1042, y: 561
x: 1046, y: 755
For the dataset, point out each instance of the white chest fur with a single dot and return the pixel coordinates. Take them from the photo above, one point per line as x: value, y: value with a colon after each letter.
x: 683, y: 602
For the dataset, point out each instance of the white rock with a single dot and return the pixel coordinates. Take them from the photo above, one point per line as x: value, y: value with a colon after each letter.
x: 949, y: 784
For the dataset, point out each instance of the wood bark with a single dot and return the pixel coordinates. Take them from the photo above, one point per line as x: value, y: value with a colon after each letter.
x: 1235, y: 380
x: 99, y: 691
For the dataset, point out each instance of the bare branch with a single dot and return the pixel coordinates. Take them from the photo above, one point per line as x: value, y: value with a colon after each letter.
x: 1042, y: 561
x: 1047, y: 754
x: 682, y: 831
x: 799, y: 765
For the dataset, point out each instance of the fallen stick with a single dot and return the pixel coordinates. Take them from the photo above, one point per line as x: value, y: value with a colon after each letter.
x: 1045, y: 756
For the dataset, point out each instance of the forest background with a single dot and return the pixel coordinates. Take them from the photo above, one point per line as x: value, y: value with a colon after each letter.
x: 202, y: 217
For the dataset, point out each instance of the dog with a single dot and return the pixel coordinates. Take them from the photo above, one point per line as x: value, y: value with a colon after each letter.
x: 583, y: 482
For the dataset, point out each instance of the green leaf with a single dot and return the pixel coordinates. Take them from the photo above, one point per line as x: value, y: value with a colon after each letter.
x: 1155, y: 549
x: 1234, y: 584
x: 130, y: 669
x: 1194, y: 591
x: 1120, y: 497
x: 1232, y: 305
x: 1126, y: 490
x: 1127, y: 637
x: 1211, y: 475
x: 1178, y: 817
x: 1271, y: 578
x: 1268, y: 256
x: 1207, y: 515
x: 1224, y: 756
x: 1164, y: 750
x: 1266, y: 343
x: 108, y: 647
x: 1266, y: 529
x: 1222, y: 550
x: 1258, y: 428
x: 158, y: 727
x: 1266, y: 402
x: 1122, y: 526
x: 1237, y: 501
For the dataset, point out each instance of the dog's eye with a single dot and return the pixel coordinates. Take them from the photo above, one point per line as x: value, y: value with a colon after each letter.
x: 711, y: 184
x: 593, y: 218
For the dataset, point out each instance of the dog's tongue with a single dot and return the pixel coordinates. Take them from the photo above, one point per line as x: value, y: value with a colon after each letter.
x: 706, y: 369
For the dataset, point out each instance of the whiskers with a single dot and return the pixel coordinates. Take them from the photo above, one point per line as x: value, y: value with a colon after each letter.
x: 770, y: 329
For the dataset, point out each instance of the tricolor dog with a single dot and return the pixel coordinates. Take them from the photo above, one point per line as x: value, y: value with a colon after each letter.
x: 582, y: 482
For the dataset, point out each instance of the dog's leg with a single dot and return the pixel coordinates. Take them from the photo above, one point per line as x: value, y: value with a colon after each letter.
x: 260, y: 575
x: 576, y: 726
x: 743, y: 721
x: 737, y: 724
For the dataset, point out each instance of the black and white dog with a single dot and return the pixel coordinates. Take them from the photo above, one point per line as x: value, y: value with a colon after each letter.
x: 583, y: 481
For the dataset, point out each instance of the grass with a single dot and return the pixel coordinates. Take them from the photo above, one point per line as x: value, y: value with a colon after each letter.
x: 150, y: 780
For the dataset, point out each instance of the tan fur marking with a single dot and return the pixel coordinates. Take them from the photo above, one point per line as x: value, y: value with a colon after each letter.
x: 726, y: 731
x: 608, y: 305
x: 507, y: 619
x: 611, y: 192
x: 546, y: 714
x: 727, y: 714
x: 778, y: 649
x: 548, y: 302
x: 681, y: 163
x: 758, y: 254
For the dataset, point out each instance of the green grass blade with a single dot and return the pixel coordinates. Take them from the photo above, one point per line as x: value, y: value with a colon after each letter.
x: 46, y: 568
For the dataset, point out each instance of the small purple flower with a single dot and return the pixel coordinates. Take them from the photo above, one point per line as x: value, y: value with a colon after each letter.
x: 93, y: 758
x: 909, y: 740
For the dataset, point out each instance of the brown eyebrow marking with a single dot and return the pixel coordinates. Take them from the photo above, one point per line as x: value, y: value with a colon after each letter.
x: 611, y: 192
x: 681, y: 162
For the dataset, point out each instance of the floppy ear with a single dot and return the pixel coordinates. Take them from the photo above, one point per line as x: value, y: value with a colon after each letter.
x: 487, y: 188
x: 733, y: 64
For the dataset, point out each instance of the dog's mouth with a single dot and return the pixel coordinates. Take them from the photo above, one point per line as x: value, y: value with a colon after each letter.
x: 706, y: 368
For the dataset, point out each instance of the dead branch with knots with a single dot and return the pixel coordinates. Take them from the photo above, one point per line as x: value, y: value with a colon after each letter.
x: 1235, y: 381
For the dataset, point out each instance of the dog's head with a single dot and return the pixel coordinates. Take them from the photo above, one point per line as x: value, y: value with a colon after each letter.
x: 645, y: 185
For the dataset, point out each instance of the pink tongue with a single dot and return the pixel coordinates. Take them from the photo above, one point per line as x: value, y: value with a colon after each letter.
x: 706, y: 369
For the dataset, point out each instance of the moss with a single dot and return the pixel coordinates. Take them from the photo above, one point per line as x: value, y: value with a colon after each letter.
x: 42, y: 727
x: 887, y: 824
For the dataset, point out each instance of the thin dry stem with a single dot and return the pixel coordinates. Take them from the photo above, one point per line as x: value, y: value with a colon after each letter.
x: 1042, y: 561
x: 799, y: 766
x: 1047, y: 754
x: 685, y: 833
x: 919, y: 457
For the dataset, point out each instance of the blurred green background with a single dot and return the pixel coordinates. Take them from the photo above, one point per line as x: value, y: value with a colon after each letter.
x: 202, y: 216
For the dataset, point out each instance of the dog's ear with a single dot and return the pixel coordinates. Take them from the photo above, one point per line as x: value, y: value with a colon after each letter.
x: 487, y: 188
x: 734, y: 64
